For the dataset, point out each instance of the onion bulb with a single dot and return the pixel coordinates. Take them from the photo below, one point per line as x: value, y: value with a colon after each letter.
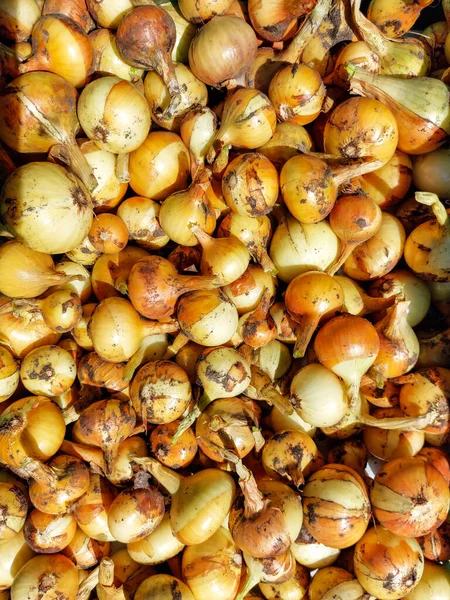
x: 173, y: 454
x: 287, y: 141
x: 61, y: 46
x: 109, y: 13
x: 141, y: 217
x: 433, y: 585
x: 361, y: 127
x: 48, y: 534
x: 48, y: 371
x: 45, y: 126
x: 197, y: 131
x: 17, y: 20
x: 309, y: 298
x: 318, y: 396
x: 427, y: 248
x: 14, y: 508
x: 55, y: 575
x: 215, y: 565
x: 111, y: 271
x: 61, y: 207
x: 222, y: 50
x: 108, y: 234
x: 160, y: 587
x: 106, y: 56
x: 430, y: 172
x: 348, y: 346
x: 160, y: 166
x: 257, y: 328
x: 335, y: 582
x: 85, y: 552
x: 410, y: 497
x: 222, y: 372
x: 289, y: 455
x: 293, y: 588
x: 9, y: 374
x: 15, y: 553
x: 247, y: 291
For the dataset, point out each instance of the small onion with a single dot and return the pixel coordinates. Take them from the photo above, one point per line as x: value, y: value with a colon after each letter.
x: 9, y: 374
x: 48, y: 534
x: 48, y: 371
x: 106, y: 56
x: 433, y: 585
x: 174, y: 454
x: 161, y: 587
x: 289, y: 455
x: 13, y: 510
x: 246, y: 292
x: 141, y: 217
x: 109, y: 13
x: 333, y: 581
x: 17, y: 20
x: 56, y: 574
x: 158, y: 546
x: 85, y: 552
x: 222, y: 372
x: 91, y: 510
x: 14, y: 554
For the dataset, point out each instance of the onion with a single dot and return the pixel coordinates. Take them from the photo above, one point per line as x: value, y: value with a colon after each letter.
x: 389, y: 184
x: 106, y: 56
x: 433, y: 585
x: 85, y: 552
x: 14, y: 554
x: 80, y: 283
x: 287, y: 141
x: 14, y: 507
x: 387, y: 444
x: 427, y: 247
x: 293, y: 588
x: 399, y: 346
x: 109, y: 13
x: 45, y: 126
x: 280, y: 422
x: 250, y: 185
x: 48, y: 371
x: 192, y: 207
x: 213, y: 567
x: 361, y: 127
x: 222, y: 50
x: 109, y: 191
x: 277, y: 569
x: 309, y: 298
x: 436, y: 545
x: 56, y: 575
x: 135, y: 513
x: 105, y: 424
x: 62, y: 212
x: 61, y: 46
x: 74, y: 9
x: 185, y: 32
x: 205, y: 10
x: 379, y: 255
x: 407, y: 57
x: 160, y: 166
x: 275, y: 21
x: 357, y: 302
x: 197, y: 131
x: 386, y: 565
x: 311, y: 554
x: 289, y: 455
x: 80, y: 331
x: 110, y: 272
x: 419, y: 104
x: 21, y: 336
x: 410, y: 497
x: 173, y: 454
x: 160, y: 392
x: 248, y: 121
x: 154, y: 286
x: 200, y: 502
x: 318, y: 396
x: 350, y: 453
x: 246, y: 292
x: 158, y: 546
x: 108, y: 234
x: 17, y: 22
x: 357, y: 53
x: 84, y: 254
x: 141, y: 217
x: 9, y: 374
x: 222, y: 372
x: 117, y: 330
x: 257, y: 328
x: 193, y: 93
x: 430, y: 173
x: 91, y: 510
x: 395, y: 19
x: 297, y: 248
x: 48, y: 534
x: 117, y: 576
x: 335, y: 581
x: 115, y: 115
x: 160, y: 587
x: 297, y: 93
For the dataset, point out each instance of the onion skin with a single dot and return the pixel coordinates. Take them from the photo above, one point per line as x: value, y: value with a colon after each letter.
x: 410, y: 497
x: 173, y: 454
x: 74, y: 9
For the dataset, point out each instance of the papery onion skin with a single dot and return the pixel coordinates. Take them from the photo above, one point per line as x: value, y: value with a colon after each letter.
x: 109, y: 13
x: 48, y: 534
x: 234, y: 43
x: 173, y: 454
x: 54, y: 193
x: 410, y: 497
x: 74, y: 9
x: 361, y: 127
x: 386, y: 565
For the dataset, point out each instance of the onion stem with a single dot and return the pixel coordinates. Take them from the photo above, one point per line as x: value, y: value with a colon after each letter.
x: 166, y: 477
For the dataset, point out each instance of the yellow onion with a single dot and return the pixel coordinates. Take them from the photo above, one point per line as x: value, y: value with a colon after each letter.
x: 160, y: 587
x: 410, y: 497
x: 277, y: 569
x: 160, y: 166
x: 293, y: 588
x: 310, y: 553
x: 357, y: 53
x: 222, y: 50
x: 433, y: 585
x: 377, y: 256
x: 80, y: 331
x: 430, y: 172
x: 62, y: 210
x: 427, y: 247
x: 168, y: 115
x: 335, y: 582
x: 222, y: 372
x: 357, y: 302
x: 80, y: 283
x: 275, y: 21
x: 171, y: 452
x: 106, y: 56
x: 420, y: 106
x: 48, y: 120
x: 213, y: 567
x: 289, y: 455
x: 84, y: 253
x: 56, y: 574
x: 204, y: 10
x: 399, y: 346
x: 109, y: 12
x: 389, y: 184
x: 351, y: 453
x: 297, y: 248
x: 297, y: 93
x: 185, y: 32
x: 395, y: 18
x: 386, y: 565
x: 9, y: 374
x: 246, y: 292
x: 141, y: 217
x: 158, y: 546
x: 110, y: 272
x: 248, y: 121
x: 17, y: 21
x: 361, y: 127
x: 62, y: 47
x: 257, y: 328
x: 21, y: 336
x: 48, y: 534
x: 387, y: 444
x: 250, y: 185
x: 192, y: 207
x: 407, y: 56
x: 14, y: 510
x: 197, y: 130
x: 85, y: 552
x: 91, y: 510
x: 409, y: 287
x: 287, y: 141
x: 14, y: 554
x: 48, y: 371
x: 109, y: 191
